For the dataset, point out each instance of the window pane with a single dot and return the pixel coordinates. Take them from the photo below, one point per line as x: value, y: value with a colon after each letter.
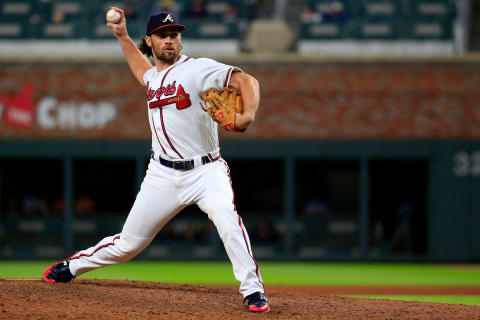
x: 104, y: 186
x: 258, y: 186
x: 31, y: 210
x: 259, y: 196
x: 398, y: 206
x: 104, y: 192
x: 31, y: 187
x: 327, y: 187
x: 327, y: 208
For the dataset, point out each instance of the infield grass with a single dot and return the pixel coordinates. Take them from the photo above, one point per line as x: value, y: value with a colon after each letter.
x: 282, y: 273
x: 465, y: 300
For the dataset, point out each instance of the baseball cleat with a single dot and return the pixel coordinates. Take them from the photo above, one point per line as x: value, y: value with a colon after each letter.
x: 257, y: 302
x: 58, y: 272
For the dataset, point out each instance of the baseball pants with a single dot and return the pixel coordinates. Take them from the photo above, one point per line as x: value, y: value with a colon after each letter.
x: 164, y: 193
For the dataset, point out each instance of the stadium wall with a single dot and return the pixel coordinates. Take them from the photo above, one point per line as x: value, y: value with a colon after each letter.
x: 309, y: 110
x: 330, y: 100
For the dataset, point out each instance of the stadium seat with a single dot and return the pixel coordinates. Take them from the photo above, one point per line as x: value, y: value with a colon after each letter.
x: 16, y: 8
x: 211, y: 30
x: 432, y: 29
x: 382, y: 28
x: 102, y: 31
x: 58, y: 30
x: 375, y: 30
x: 11, y: 30
x: 217, y: 7
x: 377, y: 8
x: 14, y: 19
x: 382, y: 20
x: 321, y: 30
x: 436, y: 8
x: 338, y: 19
x: 68, y: 8
x: 25, y: 226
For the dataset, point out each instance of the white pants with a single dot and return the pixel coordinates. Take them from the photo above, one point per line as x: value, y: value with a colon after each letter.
x: 164, y: 192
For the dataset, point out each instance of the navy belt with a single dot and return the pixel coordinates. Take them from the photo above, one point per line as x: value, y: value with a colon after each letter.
x: 182, y: 165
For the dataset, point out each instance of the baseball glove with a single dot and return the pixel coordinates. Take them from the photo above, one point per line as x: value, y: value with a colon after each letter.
x: 223, y: 106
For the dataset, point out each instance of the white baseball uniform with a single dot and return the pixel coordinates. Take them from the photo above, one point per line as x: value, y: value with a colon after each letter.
x: 185, y: 168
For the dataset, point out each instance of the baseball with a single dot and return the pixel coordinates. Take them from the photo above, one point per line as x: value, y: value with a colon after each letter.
x: 113, y: 16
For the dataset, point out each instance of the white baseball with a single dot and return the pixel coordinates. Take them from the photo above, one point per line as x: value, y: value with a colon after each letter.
x: 113, y: 16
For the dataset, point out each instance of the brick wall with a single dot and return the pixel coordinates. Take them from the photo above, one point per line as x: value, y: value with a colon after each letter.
x: 300, y: 101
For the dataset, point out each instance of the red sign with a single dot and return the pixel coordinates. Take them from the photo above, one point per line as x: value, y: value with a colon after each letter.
x: 19, y: 110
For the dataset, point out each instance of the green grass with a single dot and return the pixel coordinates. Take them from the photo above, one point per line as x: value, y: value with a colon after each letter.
x: 465, y: 300
x: 281, y: 273
x: 369, y: 274
x: 272, y: 272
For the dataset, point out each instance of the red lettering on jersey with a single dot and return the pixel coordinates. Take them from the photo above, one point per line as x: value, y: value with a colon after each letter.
x: 149, y: 92
x: 181, y: 99
x: 169, y: 90
x: 159, y: 92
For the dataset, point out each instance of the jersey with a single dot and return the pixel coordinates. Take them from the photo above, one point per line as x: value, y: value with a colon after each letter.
x: 181, y: 129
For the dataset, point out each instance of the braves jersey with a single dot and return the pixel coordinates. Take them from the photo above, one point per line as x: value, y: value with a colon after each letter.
x: 181, y: 129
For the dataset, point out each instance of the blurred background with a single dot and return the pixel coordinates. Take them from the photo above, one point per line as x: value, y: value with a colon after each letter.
x: 365, y: 147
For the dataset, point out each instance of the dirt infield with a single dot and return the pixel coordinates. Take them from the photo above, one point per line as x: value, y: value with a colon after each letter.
x: 114, y: 299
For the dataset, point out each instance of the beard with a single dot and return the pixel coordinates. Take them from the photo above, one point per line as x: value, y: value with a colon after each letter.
x: 167, y: 57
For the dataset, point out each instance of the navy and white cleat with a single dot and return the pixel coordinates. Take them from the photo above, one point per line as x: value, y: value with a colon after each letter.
x: 58, y: 272
x: 257, y: 302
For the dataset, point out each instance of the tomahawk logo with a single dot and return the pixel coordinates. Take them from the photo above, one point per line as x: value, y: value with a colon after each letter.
x: 18, y: 111
x: 169, y: 18
x: 181, y: 99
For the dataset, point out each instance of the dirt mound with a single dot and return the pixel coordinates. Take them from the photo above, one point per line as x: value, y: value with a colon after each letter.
x: 113, y: 299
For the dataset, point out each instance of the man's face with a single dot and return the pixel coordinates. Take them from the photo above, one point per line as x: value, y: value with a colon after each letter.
x: 166, y: 44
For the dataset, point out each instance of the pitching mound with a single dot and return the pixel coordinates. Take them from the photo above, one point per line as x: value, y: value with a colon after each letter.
x: 111, y: 299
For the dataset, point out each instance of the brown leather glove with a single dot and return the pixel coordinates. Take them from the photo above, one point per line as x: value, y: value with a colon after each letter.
x: 223, y: 106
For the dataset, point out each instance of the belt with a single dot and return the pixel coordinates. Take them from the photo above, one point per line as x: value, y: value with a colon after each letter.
x: 183, y: 165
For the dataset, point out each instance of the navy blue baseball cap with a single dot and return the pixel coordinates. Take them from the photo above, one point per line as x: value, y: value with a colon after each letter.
x: 160, y: 20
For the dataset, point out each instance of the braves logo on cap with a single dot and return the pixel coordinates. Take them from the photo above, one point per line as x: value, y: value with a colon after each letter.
x: 158, y: 21
x: 169, y: 18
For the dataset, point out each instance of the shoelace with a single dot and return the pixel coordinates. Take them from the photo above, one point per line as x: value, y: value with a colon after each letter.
x: 256, y: 298
x: 61, y: 272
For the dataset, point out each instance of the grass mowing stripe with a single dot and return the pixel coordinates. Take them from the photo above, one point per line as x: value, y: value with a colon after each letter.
x: 370, y: 274
x: 175, y: 272
x: 282, y: 273
x: 465, y: 300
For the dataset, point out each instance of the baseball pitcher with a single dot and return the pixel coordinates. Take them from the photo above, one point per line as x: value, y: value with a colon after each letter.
x: 186, y: 100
